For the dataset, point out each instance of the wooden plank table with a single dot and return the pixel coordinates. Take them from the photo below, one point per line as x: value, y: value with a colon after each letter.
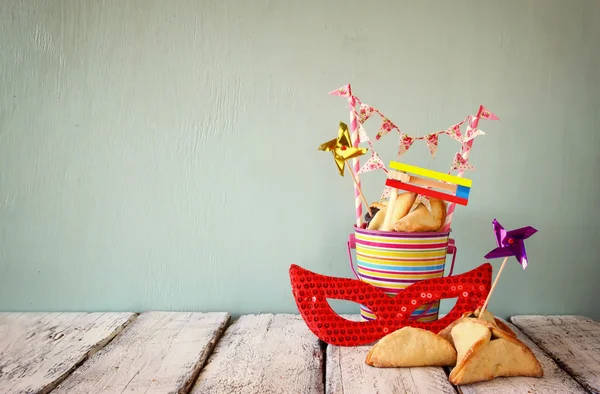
x: 38, y: 350
x: 347, y: 373
x: 160, y: 352
x: 184, y: 352
x: 264, y: 354
x: 572, y: 341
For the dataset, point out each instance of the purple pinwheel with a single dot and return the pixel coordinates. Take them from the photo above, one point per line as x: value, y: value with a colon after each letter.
x: 511, y: 243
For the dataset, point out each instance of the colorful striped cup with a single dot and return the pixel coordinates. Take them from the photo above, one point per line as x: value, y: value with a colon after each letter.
x: 392, y: 261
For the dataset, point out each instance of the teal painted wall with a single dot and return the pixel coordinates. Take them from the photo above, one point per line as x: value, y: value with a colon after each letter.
x: 162, y: 154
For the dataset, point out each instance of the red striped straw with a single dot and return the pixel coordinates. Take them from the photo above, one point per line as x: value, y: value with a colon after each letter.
x: 469, y: 144
x: 355, y: 161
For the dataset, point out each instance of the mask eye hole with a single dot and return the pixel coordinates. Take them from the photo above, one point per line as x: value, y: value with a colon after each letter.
x: 346, y: 309
x: 427, y: 309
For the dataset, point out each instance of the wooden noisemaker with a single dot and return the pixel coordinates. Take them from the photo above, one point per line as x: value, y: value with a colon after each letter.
x: 451, y: 188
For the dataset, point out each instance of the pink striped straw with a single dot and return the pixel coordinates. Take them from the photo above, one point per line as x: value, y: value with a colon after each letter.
x: 355, y: 161
x: 452, y: 206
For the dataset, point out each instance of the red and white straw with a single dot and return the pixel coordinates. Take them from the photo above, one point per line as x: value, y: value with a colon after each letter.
x: 355, y: 161
x: 466, y: 148
x: 452, y: 206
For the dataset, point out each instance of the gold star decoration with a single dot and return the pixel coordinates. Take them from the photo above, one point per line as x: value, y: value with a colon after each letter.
x: 341, y: 148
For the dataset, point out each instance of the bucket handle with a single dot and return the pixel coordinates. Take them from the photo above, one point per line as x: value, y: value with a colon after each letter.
x: 352, y: 245
x: 452, y: 249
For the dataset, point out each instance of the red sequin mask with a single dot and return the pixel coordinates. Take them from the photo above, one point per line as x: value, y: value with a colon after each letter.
x: 312, y: 290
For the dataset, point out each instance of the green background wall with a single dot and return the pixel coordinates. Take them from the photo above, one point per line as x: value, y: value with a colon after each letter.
x: 163, y: 154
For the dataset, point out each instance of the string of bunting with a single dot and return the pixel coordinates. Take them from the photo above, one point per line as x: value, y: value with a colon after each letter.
x: 460, y: 162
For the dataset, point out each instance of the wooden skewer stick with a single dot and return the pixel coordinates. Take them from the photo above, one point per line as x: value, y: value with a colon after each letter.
x: 387, y: 221
x: 493, y: 287
x: 362, y: 196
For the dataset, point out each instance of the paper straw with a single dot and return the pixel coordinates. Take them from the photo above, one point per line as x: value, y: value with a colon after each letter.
x: 452, y: 206
x: 355, y: 161
x: 362, y: 196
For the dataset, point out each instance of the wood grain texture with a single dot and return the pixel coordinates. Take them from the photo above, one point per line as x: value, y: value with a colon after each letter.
x: 39, y: 350
x: 161, y: 352
x: 264, y: 354
x: 347, y: 373
x: 555, y: 380
x: 572, y: 341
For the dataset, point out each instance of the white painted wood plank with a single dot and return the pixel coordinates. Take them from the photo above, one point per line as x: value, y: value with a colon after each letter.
x: 572, y: 341
x: 39, y: 350
x: 160, y: 352
x: 347, y: 373
x: 555, y: 380
x: 264, y: 354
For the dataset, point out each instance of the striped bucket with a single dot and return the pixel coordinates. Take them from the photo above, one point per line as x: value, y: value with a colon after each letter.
x: 393, y: 261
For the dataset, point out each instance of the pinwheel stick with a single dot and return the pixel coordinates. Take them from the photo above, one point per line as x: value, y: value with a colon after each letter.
x: 493, y: 287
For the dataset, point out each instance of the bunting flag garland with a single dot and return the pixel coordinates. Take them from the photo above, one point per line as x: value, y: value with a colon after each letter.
x: 482, y: 113
x: 454, y: 132
x: 461, y: 164
x: 386, y: 127
x: 386, y: 194
x: 461, y: 159
x: 472, y: 133
x: 485, y: 114
x: 374, y: 163
x: 365, y: 112
x: 406, y: 142
x: 362, y: 134
x: 432, y: 143
x: 344, y: 91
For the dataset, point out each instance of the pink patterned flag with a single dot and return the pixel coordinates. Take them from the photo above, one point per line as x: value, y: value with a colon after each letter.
x: 362, y: 134
x: 461, y: 164
x: 344, y: 91
x: 374, y: 163
x: 432, y: 143
x: 466, y: 148
x: 405, y: 143
x: 365, y: 112
x: 386, y: 193
x: 454, y: 131
x: 485, y: 114
x: 386, y: 127
x: 472, y: 133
